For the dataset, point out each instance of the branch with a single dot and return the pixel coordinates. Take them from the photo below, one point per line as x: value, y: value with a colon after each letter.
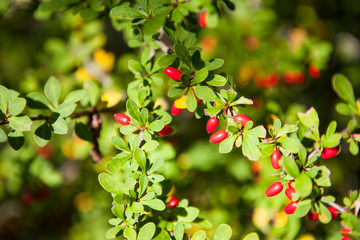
x: 341, y: 209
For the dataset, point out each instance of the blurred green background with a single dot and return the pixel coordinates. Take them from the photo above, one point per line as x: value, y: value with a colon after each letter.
x: 53, y: 192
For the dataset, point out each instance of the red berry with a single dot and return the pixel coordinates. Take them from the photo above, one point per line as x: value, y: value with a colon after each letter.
x: 314, y: 71
x: 28, y: 198
x: 166, y: 131
x: 274, y: 189
x: 289, y: 183
x: 175, y: 111
x: 198, y: 102
x: 203, y: 19
x: 173, y: 73
x: 289, y: 192
x: 218, y: 136
x: 329, y: 152
x: 122, y: 118
x: 345, y: 231
x: 312, y: 216
x: 291, y: 207
x: 346, y: 238
x: 275, y: 158
x: 243, y: 119
x: 212, y: 124
x: 333, y: 212
x: 173, y: 202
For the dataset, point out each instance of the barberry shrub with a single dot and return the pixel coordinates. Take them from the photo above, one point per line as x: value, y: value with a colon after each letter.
x: 131, y: 110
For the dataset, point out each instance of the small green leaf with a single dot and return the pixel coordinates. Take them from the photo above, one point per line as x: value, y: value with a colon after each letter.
x: 42, y: 134
x: 250, y: 148
x: 302, y: 208
x: 287, y: 128
x: 290, y: 144
x: 331, y: 128
x: 214, y: 64
x: 154, y: 24
x: 200, y: 76
x: 3, y: 136
x: 303, y: 185
x: 328, y: 199
x: 145, y: 56
x: 83, y: 131
x: 227, y: 145
x: 277, y: 126
x: 173, y: 92
x: 136, y: 207
x: 156, y: 125
x: 199, y: 235
x: 52, y: 90
x: 133, y: 110
x: 343, y: 108
x: 130, y: 233
x: 155, y: 204
x: 191, y: 102
x: 147, y: 231
x: 324, y: 214
x: 16, y: 106
x: 223, y: 232
x: 332, y: 140
x: 310, y: 119
x: 129, y: 129
x: 149, y: 146
x: 353, y: 147
x: 125, y: 12
x: 290, y: 166
x: 65, y: 109
x: 140, y: 158
x: 217, y: 81
x: 118, y: 162
x: 109, y: 183
x: 205, y: 93
x: 4, y: 99
x: 242, y: 100
x: 119, y: 143
x: 182, y: 52
x: 191, y: 214
x: 38, y: 100
x: 251, y: 236
x: 324, y: 179
x: 135, y: 67
x: 179, y: 231
x: 344, y: 89
x: 166, y: 60
x: 112, y: 232
x: 20, y: 123
x: 143, y: 184
x: 16, y: 139
x: 75, y: 96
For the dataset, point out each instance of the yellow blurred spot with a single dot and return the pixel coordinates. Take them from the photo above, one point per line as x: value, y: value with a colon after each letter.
x: 82, y: 75
x: 104, y: 59
x: 260, y: 217
x: 181, y: 102
x: 244, y: 75
x: 67, y: 148
x: 111, y: 97
x: 306, y: 237
x: 358, y: 105
x: 296, y: 38
x: 271, y: 120
x: 162, y: 102
x: 208, y: 44
x: 184, y: 161
x: 280, y: 220
x: 83, y: 202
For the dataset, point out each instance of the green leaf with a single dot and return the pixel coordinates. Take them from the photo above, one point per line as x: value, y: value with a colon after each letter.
x: 343, y: 108
x: 3, y: 136
x: 143, y: 184
x: 16, y: 106
x: 251, y: 236
x: 287, y: 128
x: 242, y: 100
x: 310, y: 119
x: 125, y: 12
x: 4, y: 99
x: 302, y: 208
x: 354, y: 147
x: 214, y: 64
x: 191, y: 214
x: 331, y: 128
x: 75, y: 96
x: 303, y: 185
x: 258, y: 131
x: 227, y: 145
x: 205, y: 93
x: 136, y: 207
x: 52, y: 90
x: 332, y: 140
x: 179, y: 231
x: 42, y: 134
x: 130, y: 233
x: 277, y: 126
x: 191, y: 102
x: 133, y: 110
x: 155, y: 204
x: 290, y: 144
x: 147, y: 231
x: 223, y: 232
x: 83, y: 131
x: 16, y: 139
x: 129, y: 129
x: 217, y: 81
x: 112, y: 232
x: 344, y: 89
x: 20, y: 123
x: 290, y: 166
x: 324, y: 179
x: 199, y: 235
x: 118, y: 162
x: 173, y: 92
x: 182, y: 52
x: 166, y: 60
x: 65, y: 109
x: 324, y: 214
x: 200, y: 76
x: 140, y: 158
x: 135, y: 67
x: 149, y: 146
x: 156, y: 125
x: 145, y: 56
x: 154, y: 24
x: 109, y: 183
x: 250, y: 148
x: 328, y: 199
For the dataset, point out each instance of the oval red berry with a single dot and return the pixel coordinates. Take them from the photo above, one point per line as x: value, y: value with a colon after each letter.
x: 173, y: 202
x: 218, y: 136
x: 212, y: 124
x: 173, y: 73
x: 166, y: 131
x: 175, y: 111
x: 312, y: 216
x: 291, y: 207
x: 243, y: 119
x: 329, y: 152
x: 274, y: 189
x: 289, y: 192
x: 333, y: 212
x: 122, y: 118
x: 275, y: 158
x: 203, y: 19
